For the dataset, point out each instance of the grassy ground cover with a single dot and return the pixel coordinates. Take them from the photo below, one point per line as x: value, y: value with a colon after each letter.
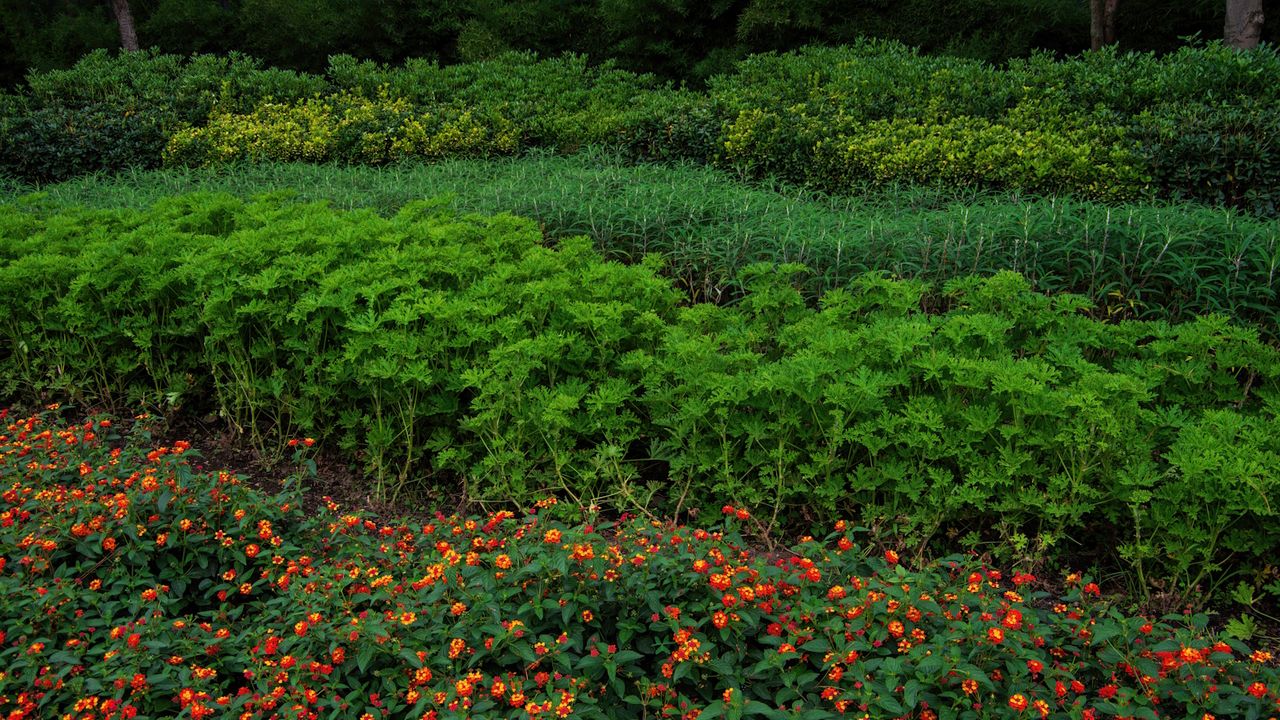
x: 1148, y: 261
x: 136, y: 586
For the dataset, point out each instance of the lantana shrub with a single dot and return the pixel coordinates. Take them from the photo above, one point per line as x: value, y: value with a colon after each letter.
x: 134, y: 584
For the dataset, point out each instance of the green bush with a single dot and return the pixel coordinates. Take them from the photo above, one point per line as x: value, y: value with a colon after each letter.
x: 1197, y: 124
x: 111, y: 112
x: 1125, y: 83
x: 559, y: 102
x: 1011, y: 408
x: 432, y: 347
x: 868, y: 80
x: 184, y: 88
x: 962, y: 151
x: 420, y: 342
x: 1221, y: 153
x: 57, y: 143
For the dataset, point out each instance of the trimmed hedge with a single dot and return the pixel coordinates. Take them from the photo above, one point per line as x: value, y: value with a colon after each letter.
x: 1198, y: 124
x: 434, y: 347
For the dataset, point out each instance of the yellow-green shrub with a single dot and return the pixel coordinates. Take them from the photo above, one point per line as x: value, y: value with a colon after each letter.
x: 975, y: 151
x: 1032, y: 147
x: 346, y: 127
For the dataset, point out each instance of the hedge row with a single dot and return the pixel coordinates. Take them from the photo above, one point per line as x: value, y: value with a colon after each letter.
x: 433, y: 348
x: 1198, y: 124
x: 1140, y: 261
x: 133, y: 586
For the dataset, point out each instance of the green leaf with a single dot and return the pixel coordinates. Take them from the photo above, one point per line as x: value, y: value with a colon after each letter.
x: 816, y: 645
x: 364, y: 656
x: 623, y: 657
x: 889, y: 703
x: 1104, y: 632
x: 714, y: 710
x: 910, y: 693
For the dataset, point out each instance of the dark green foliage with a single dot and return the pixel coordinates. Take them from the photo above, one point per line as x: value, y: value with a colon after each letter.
x: 183, y: 27
x: 676, y: 38
x: 435, y: 347
x: 1217, y: 152
x: 38, y: 35
x: 302, y: 34
x: 57, y: 143
x: 113, y: 112
x: 186, y: 88
x: 984, y: 29
x: 491, y: 28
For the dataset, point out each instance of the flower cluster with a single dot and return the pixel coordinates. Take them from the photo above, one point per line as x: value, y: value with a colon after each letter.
x: 133, y: 585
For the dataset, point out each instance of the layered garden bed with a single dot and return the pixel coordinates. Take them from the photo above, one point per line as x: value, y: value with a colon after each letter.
x: 859, y: 383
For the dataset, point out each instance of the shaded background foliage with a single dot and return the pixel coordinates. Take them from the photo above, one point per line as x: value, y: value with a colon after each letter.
x: 687, y: 39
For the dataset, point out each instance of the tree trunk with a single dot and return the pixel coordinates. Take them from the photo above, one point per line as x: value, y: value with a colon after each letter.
x: 124, y: 18
x: 1244, y: 24
x: 1102, y: 23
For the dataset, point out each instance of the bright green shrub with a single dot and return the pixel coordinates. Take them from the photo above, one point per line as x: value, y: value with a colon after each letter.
x: 1011, y: 408
x: 771, y: 144
x: 75, y: 288
x: 1218, y: 493
x: 348, y: 128
x: 849, y: 118
x: 419, y: 342
x: 203, y: 596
